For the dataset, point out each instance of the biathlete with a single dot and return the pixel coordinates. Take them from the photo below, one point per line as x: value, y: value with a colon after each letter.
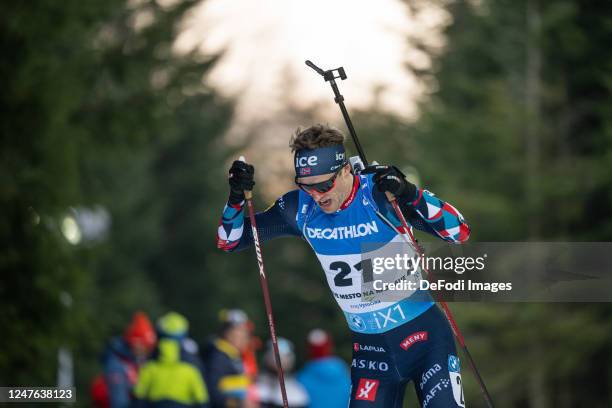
x: 339, y: 213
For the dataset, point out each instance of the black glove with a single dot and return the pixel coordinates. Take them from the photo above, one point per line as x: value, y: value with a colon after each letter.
x: 241, y: 177
x: 391, y: 179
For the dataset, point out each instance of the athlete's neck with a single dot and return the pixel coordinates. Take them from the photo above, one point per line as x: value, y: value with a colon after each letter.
x: 350, y: 197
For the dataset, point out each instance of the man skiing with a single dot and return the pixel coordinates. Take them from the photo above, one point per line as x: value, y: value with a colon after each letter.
x: 342, y: 214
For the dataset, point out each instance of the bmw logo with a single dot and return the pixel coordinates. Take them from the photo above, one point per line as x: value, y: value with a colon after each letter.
x: 357, y: 322
x: 453, y: 363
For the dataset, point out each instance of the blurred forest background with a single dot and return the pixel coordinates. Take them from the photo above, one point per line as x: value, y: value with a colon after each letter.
x: 105, y: 128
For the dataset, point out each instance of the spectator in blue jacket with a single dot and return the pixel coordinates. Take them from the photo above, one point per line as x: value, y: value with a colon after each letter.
x: 325, y: 377
x: 122, y: 359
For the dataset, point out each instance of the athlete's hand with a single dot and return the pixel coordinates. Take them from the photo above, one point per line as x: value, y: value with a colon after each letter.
x: 241, y: 178
x: 391, y: 179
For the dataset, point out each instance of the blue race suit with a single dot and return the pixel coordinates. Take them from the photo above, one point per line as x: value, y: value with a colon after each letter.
x: 395, y: 340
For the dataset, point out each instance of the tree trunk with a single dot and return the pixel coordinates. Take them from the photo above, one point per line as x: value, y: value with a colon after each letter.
x: 537, y: 389
x: 533, y: 68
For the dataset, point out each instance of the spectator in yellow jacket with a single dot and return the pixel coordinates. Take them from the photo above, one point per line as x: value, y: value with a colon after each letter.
x: 169, y: 382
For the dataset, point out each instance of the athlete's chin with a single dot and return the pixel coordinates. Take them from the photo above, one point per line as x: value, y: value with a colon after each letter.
x: 328, y: 211
x: 328, y: 207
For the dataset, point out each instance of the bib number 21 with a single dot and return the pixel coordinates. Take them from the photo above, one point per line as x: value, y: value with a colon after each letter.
x: 344, y: 269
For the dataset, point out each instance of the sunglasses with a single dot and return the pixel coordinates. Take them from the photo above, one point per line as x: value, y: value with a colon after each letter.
x: 321, y: 187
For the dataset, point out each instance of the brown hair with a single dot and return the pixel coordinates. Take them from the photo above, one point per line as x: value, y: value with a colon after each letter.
x: 316, y: 136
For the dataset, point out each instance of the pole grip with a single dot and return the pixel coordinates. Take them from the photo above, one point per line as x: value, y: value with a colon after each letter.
x: 247, y: 193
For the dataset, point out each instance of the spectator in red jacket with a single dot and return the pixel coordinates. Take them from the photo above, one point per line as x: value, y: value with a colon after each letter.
x: 121, y: 360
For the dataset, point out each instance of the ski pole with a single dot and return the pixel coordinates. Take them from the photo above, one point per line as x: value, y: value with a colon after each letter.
x: 248, y: 195
x: 330, y: 76
x: 445, y: 308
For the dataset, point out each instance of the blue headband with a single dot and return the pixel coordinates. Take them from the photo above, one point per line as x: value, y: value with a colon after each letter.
x: 324, y: 160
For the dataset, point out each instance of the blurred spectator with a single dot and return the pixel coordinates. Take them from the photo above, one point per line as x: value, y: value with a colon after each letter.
x: 325, y: 377
x: 225, y: 374
x: 168, y: 382
x: 173, y: 325
x: 268, y: 386
x: 249, y: 360
x: 121, y: 360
